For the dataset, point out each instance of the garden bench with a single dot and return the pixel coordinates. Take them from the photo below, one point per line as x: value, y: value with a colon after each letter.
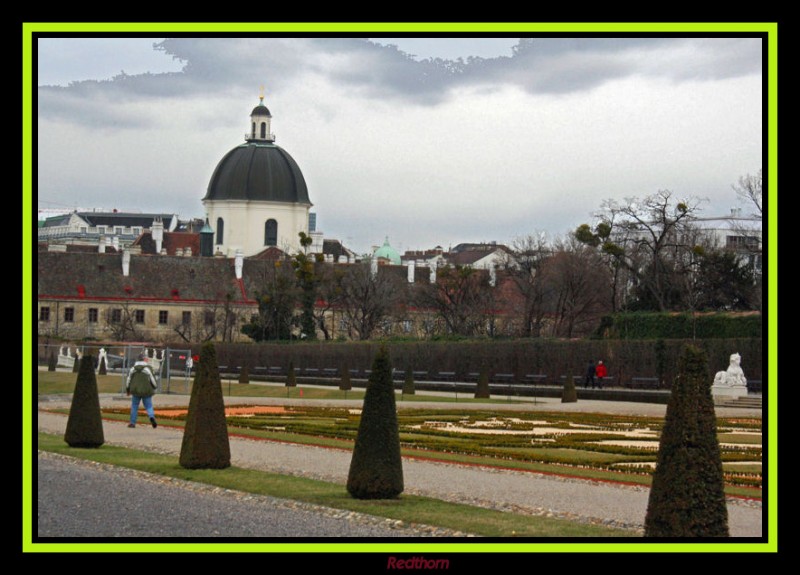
x: 419, y: 375
x: 276, y: 370
x: 311, y: 371
x: 445, y: 376
x: 536, y: 378
x: 506, y: 388
x: 644, y: 383
x: 576, y: 379
x: 330, y: 372
x: 503, y: 377
x: 754, y: 385
x: 608, y: 381
x: 472, y: 376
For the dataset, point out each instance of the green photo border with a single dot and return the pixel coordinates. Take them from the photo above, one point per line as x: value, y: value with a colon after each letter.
x: 29, y: 29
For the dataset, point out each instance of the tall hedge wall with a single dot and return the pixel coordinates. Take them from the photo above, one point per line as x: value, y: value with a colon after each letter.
x: 647, y: 325
x: 624, y: 358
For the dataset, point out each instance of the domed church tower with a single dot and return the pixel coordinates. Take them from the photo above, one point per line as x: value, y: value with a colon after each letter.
x: 257, y: 196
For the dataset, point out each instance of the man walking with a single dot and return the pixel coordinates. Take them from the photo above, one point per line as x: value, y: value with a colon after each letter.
x: 141, y: 385
x: 590, y: 372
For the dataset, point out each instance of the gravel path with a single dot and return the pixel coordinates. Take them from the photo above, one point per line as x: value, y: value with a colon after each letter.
x: 85, y: 499
x: 524, y: 492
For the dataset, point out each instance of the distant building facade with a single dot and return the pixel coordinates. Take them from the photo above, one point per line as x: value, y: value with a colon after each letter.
x: 117, y: 228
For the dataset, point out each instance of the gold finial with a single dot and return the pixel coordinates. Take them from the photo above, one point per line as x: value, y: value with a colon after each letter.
x: 261, y: 93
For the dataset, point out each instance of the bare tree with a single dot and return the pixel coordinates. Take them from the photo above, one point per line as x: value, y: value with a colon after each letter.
x: 278, y: 299
x: 749, y: 190
x: 577, y: 282
x: 526, y: 272
x: 329, y: 295
x: 121, y: 322
x: 646, y: 237
x: 461, y: 297
x: 368, y: 299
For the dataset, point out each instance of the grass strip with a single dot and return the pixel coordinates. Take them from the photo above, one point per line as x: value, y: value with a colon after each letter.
x: 407, y: 508
x: 59, y: 382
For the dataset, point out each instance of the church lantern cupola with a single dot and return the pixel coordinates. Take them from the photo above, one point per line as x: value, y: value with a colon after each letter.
x: 260, y: 120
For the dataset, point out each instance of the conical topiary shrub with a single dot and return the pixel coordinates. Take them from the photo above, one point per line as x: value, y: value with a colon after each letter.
x: 102, y: 369
x: 569, y: 393
x: 344, y: 379
x: 687, y: 497
x: 291, y: 378
x: 205, y: 436
x: 76, y: 365
x: 52, y: 361
x: 376, y: 469
x: 244, y: 374
x: 408, y: 383
x: 482, y: 389
x: 85, y: 423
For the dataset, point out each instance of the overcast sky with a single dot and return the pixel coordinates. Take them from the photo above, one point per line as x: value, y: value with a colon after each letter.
x: 427, y: 141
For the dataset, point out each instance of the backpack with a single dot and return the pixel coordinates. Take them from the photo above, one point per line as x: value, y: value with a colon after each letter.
x: 140, y: 381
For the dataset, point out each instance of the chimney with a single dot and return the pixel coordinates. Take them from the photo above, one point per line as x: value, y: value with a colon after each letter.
x: 411, y: 272
x: 157, y: 232
x: 126, y: 262
x: 238, y: 263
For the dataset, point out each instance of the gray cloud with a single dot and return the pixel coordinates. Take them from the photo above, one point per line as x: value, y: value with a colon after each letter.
x: 537, y: 65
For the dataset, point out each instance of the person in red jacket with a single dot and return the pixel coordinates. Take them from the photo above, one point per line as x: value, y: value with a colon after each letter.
x: 600, y: 372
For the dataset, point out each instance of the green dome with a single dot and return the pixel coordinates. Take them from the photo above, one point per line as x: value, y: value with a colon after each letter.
x: 387, y: 252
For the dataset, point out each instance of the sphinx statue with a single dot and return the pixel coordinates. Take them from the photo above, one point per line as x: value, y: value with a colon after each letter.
x: 732, y: 382
x: 734, y: 376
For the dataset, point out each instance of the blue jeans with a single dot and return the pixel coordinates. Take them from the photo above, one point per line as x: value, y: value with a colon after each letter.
x: 148, y: 406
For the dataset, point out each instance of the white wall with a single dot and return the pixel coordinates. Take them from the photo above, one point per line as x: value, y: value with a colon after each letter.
x: 244, y: 224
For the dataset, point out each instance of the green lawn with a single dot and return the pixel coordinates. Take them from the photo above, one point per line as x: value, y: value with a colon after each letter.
x: 62, y: 382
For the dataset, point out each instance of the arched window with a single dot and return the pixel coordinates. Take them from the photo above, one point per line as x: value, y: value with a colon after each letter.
x: 254, y: 130
x: 263, y: 130
x: 220, y: 231
x: 271, y: 233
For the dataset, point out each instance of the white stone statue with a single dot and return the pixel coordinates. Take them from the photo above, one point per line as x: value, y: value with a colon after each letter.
x: 734, y: 376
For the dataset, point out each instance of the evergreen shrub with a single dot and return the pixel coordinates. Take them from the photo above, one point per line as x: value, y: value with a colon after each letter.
x: 687, y: 497
x: 85, y: 423
x: 205, y: 435
x: 376, y: 469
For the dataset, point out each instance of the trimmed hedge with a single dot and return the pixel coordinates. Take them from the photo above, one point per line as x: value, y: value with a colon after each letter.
x: 569, y: 394
x: 625, y: 359
x: 205, y: 442
x: 376, y: 469
x: 85, y: 423
x: 687, y: 497
x: 649, y: 325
